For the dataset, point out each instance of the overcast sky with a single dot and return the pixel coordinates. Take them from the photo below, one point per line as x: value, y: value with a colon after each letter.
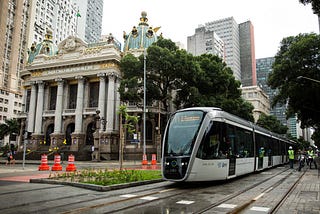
x: 272, y: 19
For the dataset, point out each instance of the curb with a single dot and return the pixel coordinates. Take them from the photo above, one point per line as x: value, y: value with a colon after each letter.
x: 96, y: 187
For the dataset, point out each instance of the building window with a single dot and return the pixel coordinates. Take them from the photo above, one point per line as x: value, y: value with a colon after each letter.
x: 94, y: 94
x: 73, y: 89
x: 53, y: 97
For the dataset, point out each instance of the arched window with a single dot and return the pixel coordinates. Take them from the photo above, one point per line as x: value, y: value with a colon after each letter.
x: 70, y: 129
x: 89, y: 134
x: 50, y: 130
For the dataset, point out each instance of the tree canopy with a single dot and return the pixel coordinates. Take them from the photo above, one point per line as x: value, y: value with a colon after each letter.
x: 9, y: 127
x: 315, y: 5
x: 295, y: 73
x: 186, y: 80
x: 271, y: 123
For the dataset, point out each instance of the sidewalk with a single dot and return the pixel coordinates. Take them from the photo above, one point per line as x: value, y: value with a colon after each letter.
x: 305, y: 198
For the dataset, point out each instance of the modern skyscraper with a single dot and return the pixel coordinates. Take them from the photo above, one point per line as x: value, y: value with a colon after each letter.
x: 13, y: 26
x: 227, y: 29
x: 264, y: 68
x: 205, y: 41
x: 247, y: 54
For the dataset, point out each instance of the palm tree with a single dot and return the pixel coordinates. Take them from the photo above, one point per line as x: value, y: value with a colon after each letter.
x: 9, y: 127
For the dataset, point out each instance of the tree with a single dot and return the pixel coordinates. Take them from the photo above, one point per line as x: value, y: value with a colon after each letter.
x: 197, y: 81
x: 315, y: 5
x: 271, y: 123
x: 9, y: 127
x: 127, y: 123
x: 299, y: 56
x: 213, y: 84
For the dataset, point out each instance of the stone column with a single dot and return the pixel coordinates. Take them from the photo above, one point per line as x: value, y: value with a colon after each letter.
x: 32, y: 107
x: 58, y: 112
x: 79, y: 108
x: 38, y: 126
x: 77, y: 136
x: 102, y: 94
x: 111, y: 102
x: 117, y: 103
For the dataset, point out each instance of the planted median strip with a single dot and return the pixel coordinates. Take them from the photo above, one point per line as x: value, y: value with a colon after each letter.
x: 107, y: 177
x: 103, y: 180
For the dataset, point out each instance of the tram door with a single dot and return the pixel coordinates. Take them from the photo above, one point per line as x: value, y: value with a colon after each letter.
x: 231, y: 153
x: 232, y: 165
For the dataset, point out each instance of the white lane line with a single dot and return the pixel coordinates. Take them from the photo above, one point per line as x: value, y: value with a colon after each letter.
x: 185, y: 202
x: 230, y: 206
x: 149, y: 198
x: 260, y: 209
x: 128, y: 196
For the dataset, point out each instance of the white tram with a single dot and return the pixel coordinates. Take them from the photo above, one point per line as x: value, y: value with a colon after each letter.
x: 206, y: 144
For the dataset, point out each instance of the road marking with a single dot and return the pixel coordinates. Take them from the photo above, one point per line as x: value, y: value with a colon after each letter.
x: 230, y: 206
x: 128, y: 196
x: 259, y: 196
x: 149, y: 198
x: 185, y: 202
x: 261, y: 209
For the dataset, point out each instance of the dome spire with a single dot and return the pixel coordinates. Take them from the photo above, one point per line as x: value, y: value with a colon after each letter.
x: 144, y: 19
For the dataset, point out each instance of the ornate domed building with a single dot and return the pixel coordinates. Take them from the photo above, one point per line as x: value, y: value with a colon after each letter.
x: 140, y: 37
x: 46, y: 47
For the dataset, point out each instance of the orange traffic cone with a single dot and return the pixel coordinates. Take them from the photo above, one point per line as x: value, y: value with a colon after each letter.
x: 71, y: 167
x: 44, y: 163
x: 144, y: 160
x: 56, y: 166
x: 154, y: 159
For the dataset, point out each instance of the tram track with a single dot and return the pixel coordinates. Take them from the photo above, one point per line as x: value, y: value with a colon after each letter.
x: 161, y: 196
x: 177, y: 192
x: 236, y: 194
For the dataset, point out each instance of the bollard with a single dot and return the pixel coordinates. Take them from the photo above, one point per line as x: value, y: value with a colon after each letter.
x: 56, y: 166
x: 44, y: 163
x: 154, y: 159
x: 71, y: 167
x: 144, y: 160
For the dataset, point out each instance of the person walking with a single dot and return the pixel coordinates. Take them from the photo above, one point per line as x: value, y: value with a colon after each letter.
x: 291, y: 156
x: 9, y: 157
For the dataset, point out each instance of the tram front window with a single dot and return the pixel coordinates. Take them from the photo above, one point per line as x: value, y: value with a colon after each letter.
x: 182, y: 132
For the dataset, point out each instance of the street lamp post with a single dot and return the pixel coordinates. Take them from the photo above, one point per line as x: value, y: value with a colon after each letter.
x: 98, y: 132
x: 307, y: 78
x: 144, y: 102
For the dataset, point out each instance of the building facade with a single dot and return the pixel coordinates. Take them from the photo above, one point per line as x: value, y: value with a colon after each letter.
x: 258, y: 98
x: 205, y: 41
x: 63, y: 91
x: 232, y: 42
x: 64, y: 18
x: 247, y: 54
x: 13, y: 27
x: 264, y: 68
x: 89, y: 20
x: 228, y: 30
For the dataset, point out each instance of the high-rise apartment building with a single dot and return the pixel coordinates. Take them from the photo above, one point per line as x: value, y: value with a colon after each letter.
x: 228, y: 30
x: 13, y: 26
x: 247, y: 54
x: 205, y: 41
x: 65, y: 18
x: 89, y: 19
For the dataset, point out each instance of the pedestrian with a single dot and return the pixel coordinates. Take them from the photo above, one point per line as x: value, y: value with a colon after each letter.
x: 9, y: 157
x: 291, y: 156
x: 311, y: 157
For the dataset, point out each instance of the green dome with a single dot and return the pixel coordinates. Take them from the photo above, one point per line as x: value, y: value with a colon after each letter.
x: 140, y: 37
x: 46, y: 47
